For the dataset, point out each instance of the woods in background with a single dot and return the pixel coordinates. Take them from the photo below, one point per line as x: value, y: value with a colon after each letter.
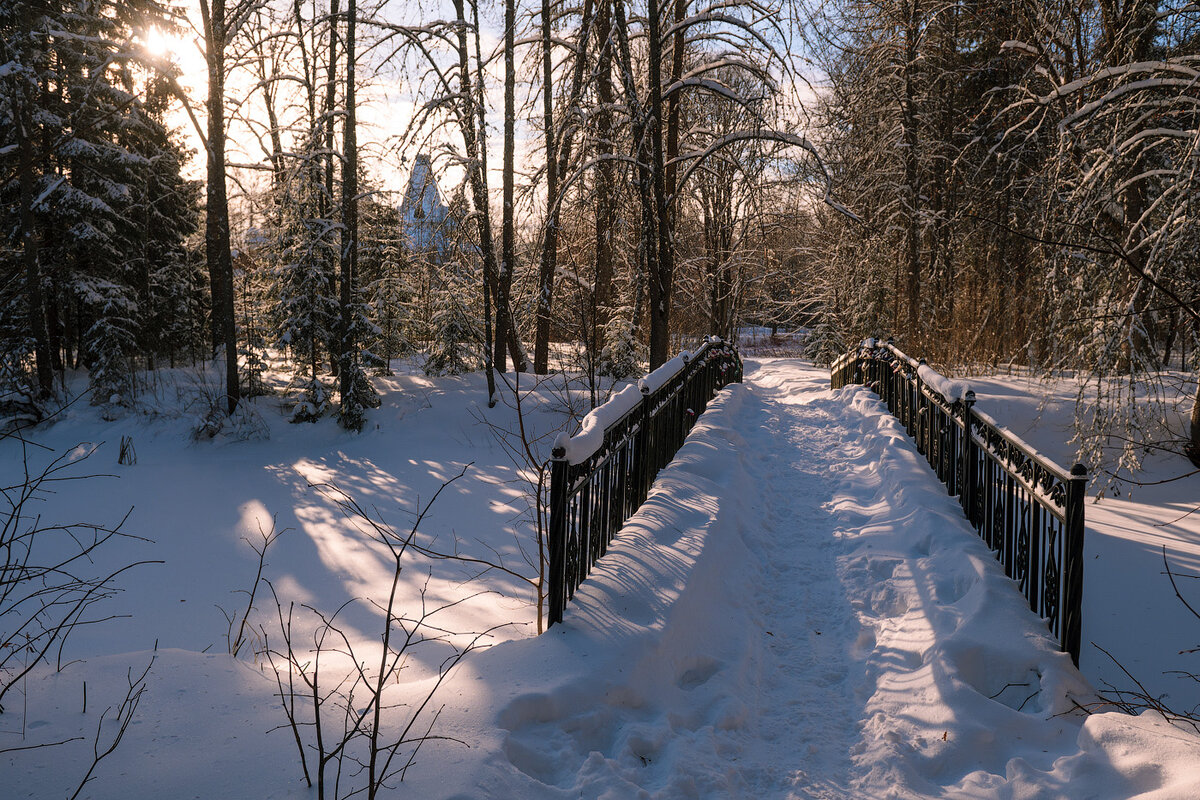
x: 1027, y: 179
x: 991, y: 183
x: 640, y: 215
x: 95, y: 267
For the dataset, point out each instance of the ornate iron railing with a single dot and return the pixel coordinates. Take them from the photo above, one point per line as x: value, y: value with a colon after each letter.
x: 600, y: 477
x: 1027, y: 509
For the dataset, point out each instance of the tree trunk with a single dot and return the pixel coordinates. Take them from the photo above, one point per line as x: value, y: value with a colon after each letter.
x: 673, y: 109
x: 606, y: 211
x: 477, y: 178
x: 325, y: 205
x: 912, y: 174
x: 507, y: 232
x: 216, y: 216
x: 35, y: 305
x: 541, y: 344
x: 268, y: 83
x: 347, y: 355
x: 661, y: 275
x: 648, y: 250
x: 558, y: 158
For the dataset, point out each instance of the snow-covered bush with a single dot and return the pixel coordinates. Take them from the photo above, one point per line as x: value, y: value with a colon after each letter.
x: 824, y: 344
x: 111, y: 342
x: 361, y: 394
x: 245, y: 423
x: 454, y: 348
x: 622, y: 354
x: 312, y: 404
x: 352, y: 412
x: 449, y: 353
x: 18, y: 395
x: 208, y: 407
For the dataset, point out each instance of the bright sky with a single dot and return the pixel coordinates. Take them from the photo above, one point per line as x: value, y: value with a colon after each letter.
x: 384, y: 109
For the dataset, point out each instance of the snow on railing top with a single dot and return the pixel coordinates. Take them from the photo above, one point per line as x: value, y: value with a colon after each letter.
x: 583, y: 445
x: 1029, y: 450
x: 901, y: 355
x: 659, y: 377
x: 953, y: 391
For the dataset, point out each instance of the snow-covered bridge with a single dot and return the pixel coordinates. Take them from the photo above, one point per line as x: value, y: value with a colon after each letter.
x: 799, y: 610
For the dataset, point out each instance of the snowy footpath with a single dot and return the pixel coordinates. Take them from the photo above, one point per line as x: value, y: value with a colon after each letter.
x: 798, y: 611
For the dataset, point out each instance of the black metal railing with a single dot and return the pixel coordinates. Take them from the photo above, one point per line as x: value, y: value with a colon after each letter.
x: 593, y: 493
x: 1027, y: 509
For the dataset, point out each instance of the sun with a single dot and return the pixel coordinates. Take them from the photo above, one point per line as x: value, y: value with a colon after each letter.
x: 158, y: 43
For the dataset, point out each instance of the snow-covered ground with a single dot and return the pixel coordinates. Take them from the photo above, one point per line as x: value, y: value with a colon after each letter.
x: 798, y: 611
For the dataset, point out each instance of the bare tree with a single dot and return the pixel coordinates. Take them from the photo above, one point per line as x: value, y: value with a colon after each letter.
x: 47, y: 583
x: 1124, y: 160
x: 361, y: 742
x: 222, y: 24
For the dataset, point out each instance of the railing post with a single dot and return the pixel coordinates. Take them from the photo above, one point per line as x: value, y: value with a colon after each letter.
x: 922, y: 411
x: 889, y: 378
x: 686, y: 404
x: 557, y: 543
x: 643, y: 448
x: 1072, y: 609
x: 967, y: 457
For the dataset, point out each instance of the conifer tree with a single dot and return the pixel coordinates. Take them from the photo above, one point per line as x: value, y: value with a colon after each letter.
x: 94, y: 203
x: 457, y: 336
x: 384, y: 265
x: 621, y: 354
x: 306, y: 311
